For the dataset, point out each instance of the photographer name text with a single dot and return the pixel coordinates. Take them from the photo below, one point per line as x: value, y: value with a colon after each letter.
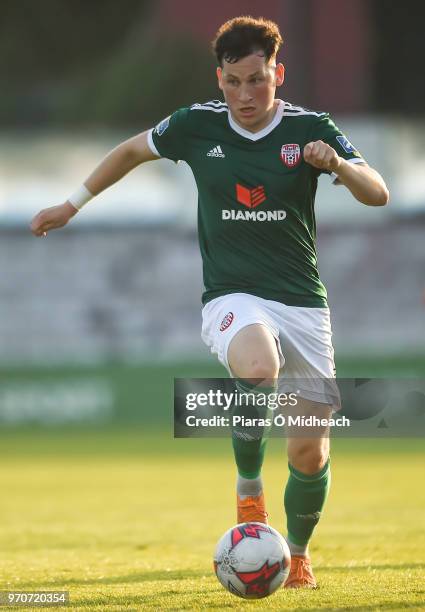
x: 279, y: 420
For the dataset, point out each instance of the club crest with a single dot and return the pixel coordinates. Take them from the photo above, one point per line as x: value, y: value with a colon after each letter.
x: 290, y: 154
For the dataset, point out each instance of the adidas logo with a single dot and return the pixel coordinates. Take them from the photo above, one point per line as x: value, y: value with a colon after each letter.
x: 216, y: 152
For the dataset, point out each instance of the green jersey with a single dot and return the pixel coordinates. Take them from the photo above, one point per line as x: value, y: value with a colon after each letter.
x: 256, y: 218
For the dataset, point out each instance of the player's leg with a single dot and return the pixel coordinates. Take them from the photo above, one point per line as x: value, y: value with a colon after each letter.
x: 240, y: 331
x: 254, y: 361
x: 309, y: 368
x: 253, y: 354
x: 306, y: 490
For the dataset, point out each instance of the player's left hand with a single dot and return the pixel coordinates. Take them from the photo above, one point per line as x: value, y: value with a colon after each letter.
x: 322, y: 156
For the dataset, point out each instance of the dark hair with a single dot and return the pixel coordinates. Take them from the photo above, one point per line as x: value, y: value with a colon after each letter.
x: 242, y: 36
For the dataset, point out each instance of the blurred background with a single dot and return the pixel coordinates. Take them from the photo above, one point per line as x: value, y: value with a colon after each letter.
x: 97, y: 319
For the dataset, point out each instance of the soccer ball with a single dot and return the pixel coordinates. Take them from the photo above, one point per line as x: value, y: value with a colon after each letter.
x: 252, y: 560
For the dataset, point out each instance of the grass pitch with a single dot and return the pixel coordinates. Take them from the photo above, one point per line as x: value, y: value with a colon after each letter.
x: 128, y: 520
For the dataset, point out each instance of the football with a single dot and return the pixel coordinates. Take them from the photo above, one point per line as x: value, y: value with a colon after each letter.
x: 252, y: 560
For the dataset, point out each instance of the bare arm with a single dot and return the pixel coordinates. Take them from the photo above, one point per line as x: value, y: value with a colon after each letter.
x: 112, y: 168
x: 119, y: 162
x: 366, y: 185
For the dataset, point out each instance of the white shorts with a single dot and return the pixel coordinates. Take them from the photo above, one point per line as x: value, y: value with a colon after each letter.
x: 303, y: 337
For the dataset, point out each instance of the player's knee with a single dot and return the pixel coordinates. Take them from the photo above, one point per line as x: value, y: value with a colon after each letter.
x: 253, y: 354
x: 264, y: 370
x: 260, y: 371
x: 309, y: 458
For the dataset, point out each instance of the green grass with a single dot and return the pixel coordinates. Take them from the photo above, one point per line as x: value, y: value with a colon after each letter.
x: 128, y: 520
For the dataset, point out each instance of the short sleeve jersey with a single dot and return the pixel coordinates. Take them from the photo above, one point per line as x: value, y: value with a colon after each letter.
x: 256, y: 219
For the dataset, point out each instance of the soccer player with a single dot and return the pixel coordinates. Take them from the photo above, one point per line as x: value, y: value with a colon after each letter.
x: 256, y: 161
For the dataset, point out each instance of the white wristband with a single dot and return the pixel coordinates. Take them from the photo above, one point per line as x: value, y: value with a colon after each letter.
x: 80, y: 197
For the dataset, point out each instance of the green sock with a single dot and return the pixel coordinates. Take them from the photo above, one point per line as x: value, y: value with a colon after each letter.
x: 304, y: 499
x: 249, y: 443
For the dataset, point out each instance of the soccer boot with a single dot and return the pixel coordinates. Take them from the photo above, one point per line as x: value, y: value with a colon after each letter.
x: 252, y: 509
x: 301, y: 574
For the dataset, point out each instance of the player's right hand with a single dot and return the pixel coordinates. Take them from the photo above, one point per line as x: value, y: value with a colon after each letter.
x: 52, y: 218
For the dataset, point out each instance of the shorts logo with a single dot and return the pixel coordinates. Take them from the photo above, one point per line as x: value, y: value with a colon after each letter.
x: 161, y: 127
x: 227, y: 321
x: 250, y: 197
x: 345, y: 144
x: 290, y: 154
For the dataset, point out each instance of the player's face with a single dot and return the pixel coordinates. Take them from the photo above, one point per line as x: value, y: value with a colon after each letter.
x: 249, y: 87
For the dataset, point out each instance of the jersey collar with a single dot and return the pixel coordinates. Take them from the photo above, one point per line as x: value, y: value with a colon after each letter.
x: 266, y: 130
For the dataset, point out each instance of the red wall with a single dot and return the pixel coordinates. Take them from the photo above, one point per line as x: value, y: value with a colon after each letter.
x: 341, y: 60
x: 326, y: 49
x: 203, y: 19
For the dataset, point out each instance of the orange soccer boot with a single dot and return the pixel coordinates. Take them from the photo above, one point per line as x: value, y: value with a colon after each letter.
x: 301, y: 574
x: 252, y: 509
